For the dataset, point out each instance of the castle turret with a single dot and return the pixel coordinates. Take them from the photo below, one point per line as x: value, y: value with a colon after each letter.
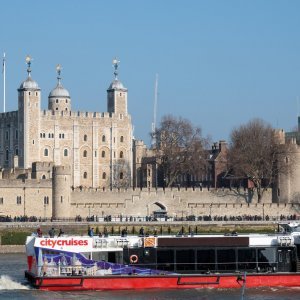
x: 59, y: 98
x: 117, y: 94
x: 29, y: 103
x: 61, y: 181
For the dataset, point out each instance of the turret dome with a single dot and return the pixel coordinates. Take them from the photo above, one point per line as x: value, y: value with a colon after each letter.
x: 116, y: 84
x: 59, y: 91
x: 30, y: 84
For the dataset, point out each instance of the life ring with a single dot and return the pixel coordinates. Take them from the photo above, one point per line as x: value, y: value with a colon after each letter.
x: 134, y: 259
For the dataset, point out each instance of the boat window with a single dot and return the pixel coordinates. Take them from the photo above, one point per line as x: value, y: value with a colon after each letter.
x: 206, y: 260
x: 165, y: 260
x: 246, y: 259
x: 266, y: 258
x: 226, y: 259
x: 185, y: 260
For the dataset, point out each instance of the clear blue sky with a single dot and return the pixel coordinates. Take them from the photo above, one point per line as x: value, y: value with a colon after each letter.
x: 220, y: 63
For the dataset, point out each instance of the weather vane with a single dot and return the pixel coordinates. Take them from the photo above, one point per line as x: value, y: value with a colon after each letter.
x: 116, y: 65
x: 28, y: 62
x: 58, y: 70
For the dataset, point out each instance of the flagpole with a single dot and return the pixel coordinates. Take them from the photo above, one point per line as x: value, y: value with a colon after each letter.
x: 4, y: 71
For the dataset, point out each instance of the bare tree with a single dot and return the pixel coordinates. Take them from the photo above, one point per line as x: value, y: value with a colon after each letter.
x: 254, y: 151
x: 180, y: 148
x: 121, y: 174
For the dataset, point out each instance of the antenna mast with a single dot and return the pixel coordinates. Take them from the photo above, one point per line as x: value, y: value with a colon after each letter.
x: 154, y: 112
x: 4, y: 71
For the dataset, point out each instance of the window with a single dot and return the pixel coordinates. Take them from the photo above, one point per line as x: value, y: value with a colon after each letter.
x: 56, y: 100
x: 84, y: 153
x: 46, y: 152
x: 49, y: 135
x: 85, y: 175
x: 95, y: 153
x: 103, y: 175
x: 122, y: 139
x: 246, y: 259
x: 103, y: 154
x: 61, y: 199
x: 52, y: 135
x: 103, y: 138
x: 85, y: 137
x: 6, y: 135
x: 36, y: 93
x: 66, y: 100
x: 56, y: 108
x: 29, y: 93
x: 165, y: 259
x: 66, y: 152
x: 226, y: 259
x: 1, y: 200
x: 16, y: 151
x: 185, y: 259
x: 46, y: 200
x: 6, y: 155
x: 206, y: 260
x: 121, y: 154
x: 16, y: 134
x: 41, y: 135
x: 19, y: 200
x: 63, y: 135
x: 44, y: 135
x: 44, y: 177
x: 121, y: 175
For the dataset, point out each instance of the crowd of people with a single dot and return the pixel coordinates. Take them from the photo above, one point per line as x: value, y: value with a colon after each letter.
x: 125, y: 219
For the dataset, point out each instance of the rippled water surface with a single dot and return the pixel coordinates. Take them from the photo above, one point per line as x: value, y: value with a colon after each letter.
x: 13, y: 286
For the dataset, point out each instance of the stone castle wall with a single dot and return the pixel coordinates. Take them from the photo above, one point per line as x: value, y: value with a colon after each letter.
x: 88, y: 202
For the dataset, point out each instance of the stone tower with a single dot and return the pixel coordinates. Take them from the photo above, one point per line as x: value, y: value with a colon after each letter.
x: 117, y: 94
x: 61, y: 192
x: 29, y: 102
x: 59, y: 98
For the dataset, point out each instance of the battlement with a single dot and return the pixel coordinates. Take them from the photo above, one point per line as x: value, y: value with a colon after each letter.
x: 82, y: 115
x: 61, y: 170
x: 9, y: 115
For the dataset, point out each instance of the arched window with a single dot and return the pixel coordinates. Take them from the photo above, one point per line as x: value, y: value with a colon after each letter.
x: 66, y: 152
x: 44, y: 177
x: 121, y: 175
x: 46, y: 152
x: 84, y: 153
x: 16, y: 151
x: 44, y: 135
x: 121, y: 154
x: 103, y: 154
x: 103, y: 175
x: 85, y: 137
x: 6, y: 154
x: 103, y: 138
x: 122, y: 139
x: 85, y: 175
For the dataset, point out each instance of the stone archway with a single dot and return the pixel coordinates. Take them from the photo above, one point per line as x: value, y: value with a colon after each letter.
x: 160, y: 210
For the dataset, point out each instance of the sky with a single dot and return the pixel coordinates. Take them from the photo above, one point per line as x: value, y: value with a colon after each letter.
x: 219, y: 63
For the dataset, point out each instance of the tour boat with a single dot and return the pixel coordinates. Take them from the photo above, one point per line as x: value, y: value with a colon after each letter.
x: 164, y: 261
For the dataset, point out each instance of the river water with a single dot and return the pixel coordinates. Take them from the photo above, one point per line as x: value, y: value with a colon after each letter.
x: 13, y: 286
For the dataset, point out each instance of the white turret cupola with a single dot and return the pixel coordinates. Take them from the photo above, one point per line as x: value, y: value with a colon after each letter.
x: 59, y: 98
x: 116, y: 94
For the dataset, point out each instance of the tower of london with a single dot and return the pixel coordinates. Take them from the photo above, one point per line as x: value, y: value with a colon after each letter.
x: 97, y: 146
